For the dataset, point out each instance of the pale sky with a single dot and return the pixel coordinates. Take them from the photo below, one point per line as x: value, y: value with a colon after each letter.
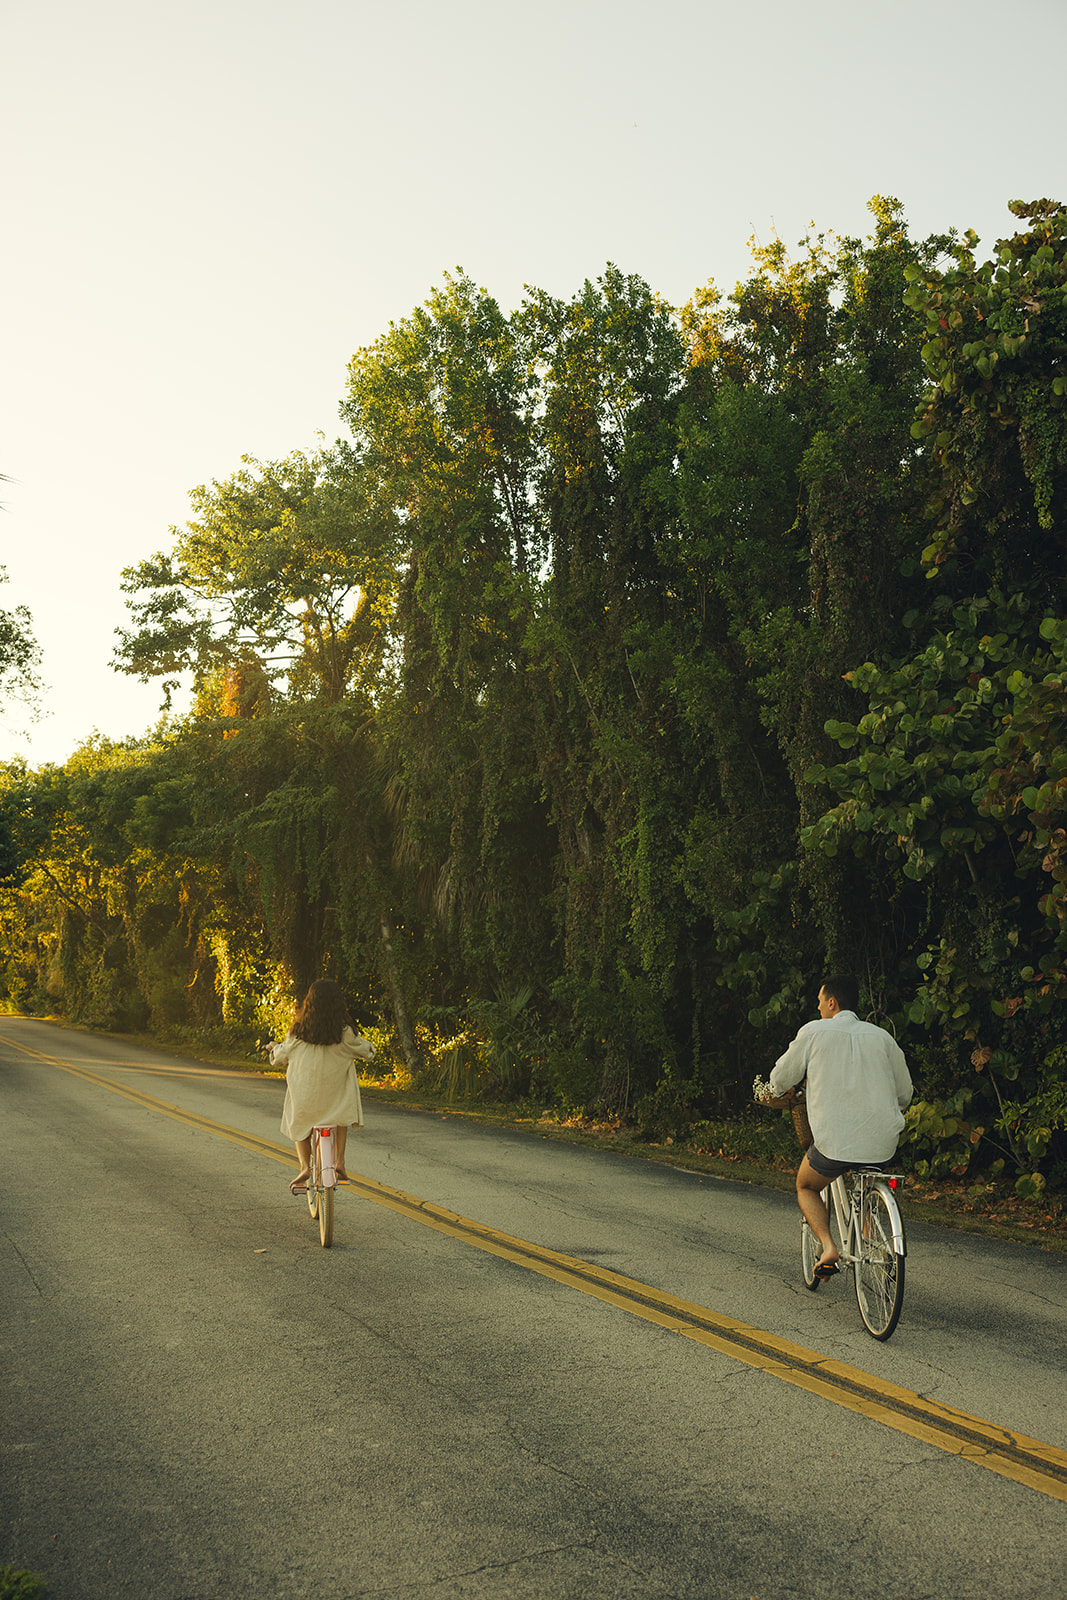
x: 210, y: 204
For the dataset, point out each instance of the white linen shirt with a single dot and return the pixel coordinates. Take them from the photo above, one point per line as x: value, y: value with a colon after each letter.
x: 858, y: 1081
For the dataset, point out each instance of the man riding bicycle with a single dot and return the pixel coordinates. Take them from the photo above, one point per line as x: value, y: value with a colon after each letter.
x: 857, y: 1086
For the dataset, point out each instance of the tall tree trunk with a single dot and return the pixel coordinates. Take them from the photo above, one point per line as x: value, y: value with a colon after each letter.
x: 404, y: 1025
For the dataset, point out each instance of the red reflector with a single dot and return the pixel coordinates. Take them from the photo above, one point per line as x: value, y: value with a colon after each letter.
x: 892, y: 1183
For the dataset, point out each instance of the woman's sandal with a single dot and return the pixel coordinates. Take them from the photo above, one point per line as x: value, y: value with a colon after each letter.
x: 830, y: 1270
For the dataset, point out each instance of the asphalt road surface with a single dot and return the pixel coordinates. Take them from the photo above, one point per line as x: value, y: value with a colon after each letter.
x: 523, y: 1370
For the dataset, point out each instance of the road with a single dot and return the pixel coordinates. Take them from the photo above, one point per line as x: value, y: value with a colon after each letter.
x: 524, y: 1370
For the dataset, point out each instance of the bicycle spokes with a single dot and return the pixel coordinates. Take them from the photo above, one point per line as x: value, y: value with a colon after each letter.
x: 879, y: 1270
x: 866, y: 1228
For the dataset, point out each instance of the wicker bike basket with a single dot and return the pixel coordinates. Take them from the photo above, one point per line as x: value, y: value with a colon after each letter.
x: 794, y: 1099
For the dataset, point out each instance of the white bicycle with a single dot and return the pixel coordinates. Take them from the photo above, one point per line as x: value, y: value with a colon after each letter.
x: 869, y: 1234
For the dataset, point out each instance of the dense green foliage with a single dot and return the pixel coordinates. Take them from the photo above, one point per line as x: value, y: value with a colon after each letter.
x: 16, y: 1584
x: 622, y: 671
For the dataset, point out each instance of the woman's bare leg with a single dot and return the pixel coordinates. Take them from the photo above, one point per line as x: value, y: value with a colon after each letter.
x: 303, y: 1151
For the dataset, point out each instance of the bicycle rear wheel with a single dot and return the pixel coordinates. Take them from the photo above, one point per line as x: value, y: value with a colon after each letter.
x: 320, y: 1195
x: 879, y: 1273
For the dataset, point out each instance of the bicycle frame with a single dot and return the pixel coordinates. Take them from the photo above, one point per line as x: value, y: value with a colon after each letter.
x: 328, y: 1155
x: 848, y: 1207
x: 870, y: 1240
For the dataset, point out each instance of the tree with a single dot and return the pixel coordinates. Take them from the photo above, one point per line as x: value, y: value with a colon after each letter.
x: 284, y: 571
x: 441, y: 409
x: 800, y: 481
x: 20, y: 657
x: 957, y: 750
x: 603, y: 689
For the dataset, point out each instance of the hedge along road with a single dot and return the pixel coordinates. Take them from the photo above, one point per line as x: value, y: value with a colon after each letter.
x: 524, y: 1369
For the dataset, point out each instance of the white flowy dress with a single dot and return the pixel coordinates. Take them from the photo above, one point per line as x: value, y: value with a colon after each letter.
x: 322, y: 1083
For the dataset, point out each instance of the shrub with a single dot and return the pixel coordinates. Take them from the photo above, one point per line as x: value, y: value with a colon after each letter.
x: 21, y: 1585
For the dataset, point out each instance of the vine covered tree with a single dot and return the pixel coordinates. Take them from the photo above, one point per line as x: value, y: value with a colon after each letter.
x: 621, y: 671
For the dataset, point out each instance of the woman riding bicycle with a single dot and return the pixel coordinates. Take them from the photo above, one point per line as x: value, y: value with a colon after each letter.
x: 322, y: 1081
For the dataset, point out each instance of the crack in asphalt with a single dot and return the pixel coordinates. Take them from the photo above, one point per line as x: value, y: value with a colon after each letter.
x: 25, y: 1264
x: 539, y: 1553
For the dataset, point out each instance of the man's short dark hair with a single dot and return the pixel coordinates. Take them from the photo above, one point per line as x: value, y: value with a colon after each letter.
x: 844, y: 989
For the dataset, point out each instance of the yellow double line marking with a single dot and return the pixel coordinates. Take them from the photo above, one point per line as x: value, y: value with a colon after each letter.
x: 1012, y: 1455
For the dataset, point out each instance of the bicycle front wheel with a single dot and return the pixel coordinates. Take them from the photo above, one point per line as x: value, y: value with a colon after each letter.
x: 879, y: 1273
x: 811, y: 1249
x: 314, y: 1177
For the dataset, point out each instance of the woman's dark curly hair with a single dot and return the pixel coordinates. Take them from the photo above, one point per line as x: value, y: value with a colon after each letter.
x: 322, y: 1017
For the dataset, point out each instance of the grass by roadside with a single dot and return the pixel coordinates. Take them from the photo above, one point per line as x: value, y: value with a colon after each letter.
x: 758, y: 1150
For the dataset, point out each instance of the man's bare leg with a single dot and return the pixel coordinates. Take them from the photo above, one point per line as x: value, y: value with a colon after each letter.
x: 811, y: 1186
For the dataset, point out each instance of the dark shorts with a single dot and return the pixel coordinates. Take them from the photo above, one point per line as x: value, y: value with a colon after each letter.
x: 827, y: 1167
